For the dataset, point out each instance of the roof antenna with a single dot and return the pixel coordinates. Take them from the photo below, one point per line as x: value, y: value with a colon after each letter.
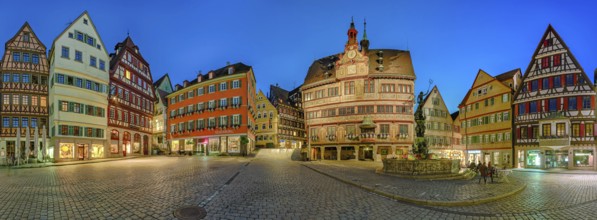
x: 128, y: 33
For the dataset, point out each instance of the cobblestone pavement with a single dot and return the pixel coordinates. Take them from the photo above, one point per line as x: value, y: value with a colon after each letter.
x: 363, y: 173
x: 269, y: 186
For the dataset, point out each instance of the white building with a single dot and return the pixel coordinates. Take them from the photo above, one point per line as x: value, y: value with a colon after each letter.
x: 78, y: 92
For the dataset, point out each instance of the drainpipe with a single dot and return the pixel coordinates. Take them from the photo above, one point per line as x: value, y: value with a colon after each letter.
x: 512, y: 129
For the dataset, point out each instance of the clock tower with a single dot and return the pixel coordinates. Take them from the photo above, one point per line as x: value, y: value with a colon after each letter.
x: 352, y: 62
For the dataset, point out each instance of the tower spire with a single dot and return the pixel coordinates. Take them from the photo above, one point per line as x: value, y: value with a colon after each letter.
x: 365, y: 29
x: 352, y: 33
x: 365, y: 41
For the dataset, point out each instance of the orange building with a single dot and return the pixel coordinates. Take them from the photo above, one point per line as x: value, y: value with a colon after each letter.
x: 213, y: 114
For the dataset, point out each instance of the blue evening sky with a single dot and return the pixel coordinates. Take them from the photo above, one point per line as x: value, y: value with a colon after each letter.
x: 449, y: 40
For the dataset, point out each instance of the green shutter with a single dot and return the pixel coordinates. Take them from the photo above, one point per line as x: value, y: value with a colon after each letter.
x: 71, y: 107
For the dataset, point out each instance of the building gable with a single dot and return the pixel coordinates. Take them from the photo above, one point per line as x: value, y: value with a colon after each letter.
x: 552, y: 57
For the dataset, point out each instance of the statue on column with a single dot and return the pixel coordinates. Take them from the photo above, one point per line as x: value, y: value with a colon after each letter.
x: 420, y: 146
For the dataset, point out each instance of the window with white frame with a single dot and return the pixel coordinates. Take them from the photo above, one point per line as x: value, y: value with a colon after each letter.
x: 212, y: 88
x: 223, y: 86
x: 236, y: 84
x: 236, y: 119
x: 223, y: 102
x: 223, y: 120
x: 211, y: 122
x: 236, y: 100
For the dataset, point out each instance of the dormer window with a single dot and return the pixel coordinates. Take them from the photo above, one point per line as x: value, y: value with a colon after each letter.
x: 211, y: 75
x: 230, y: 70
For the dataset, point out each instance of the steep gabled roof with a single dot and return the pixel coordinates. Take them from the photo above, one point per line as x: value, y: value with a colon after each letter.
x: 278, y: 94
x: 160, y: 80
x: 33, y: 36
x: 85, y: 13
x: 454, y: 115
x: 503, y: 77
x: 507, y: 75
x: 550, y: 29
x: 396, y: 62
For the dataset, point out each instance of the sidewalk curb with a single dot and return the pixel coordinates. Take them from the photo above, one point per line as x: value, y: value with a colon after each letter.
x: 41, y: 165
x: 580, y: 172
x: 422, y: 202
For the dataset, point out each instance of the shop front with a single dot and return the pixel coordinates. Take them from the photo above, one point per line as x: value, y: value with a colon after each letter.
x: 474, y: 156
x: 556, y: 159
x: 581, y: 158
x: 79, y: 149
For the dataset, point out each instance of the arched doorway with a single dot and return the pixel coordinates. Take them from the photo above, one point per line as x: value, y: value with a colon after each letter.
x: 145, y: 145
x: 137, y: 144
x: 114, y: 138
x: 126, y: 143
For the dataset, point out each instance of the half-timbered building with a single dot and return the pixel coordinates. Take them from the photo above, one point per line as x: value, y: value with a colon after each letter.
x: 554, y: 110
x: 291, y: 118
x: 358, y: 103
x: 131, y: 101
x: 78, y: 92
x: 24, y: 90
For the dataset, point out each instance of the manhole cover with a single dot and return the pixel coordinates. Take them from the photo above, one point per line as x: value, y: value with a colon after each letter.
x: 190, y: 212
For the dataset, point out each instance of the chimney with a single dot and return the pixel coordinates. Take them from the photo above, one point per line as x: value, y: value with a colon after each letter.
x: 185, y: 83
x: 199, y: 76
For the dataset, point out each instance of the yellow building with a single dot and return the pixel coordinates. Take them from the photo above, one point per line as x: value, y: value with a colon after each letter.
x: 266, y: 122
x: 457, y: 144
x: 438, y: 124
x: 486, y: 118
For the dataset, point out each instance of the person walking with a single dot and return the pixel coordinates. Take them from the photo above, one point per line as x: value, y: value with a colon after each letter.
x: 490, y: 171
x: 483, y: 172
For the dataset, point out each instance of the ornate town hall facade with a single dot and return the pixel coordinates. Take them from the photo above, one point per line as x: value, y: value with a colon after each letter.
x: 358, y: 103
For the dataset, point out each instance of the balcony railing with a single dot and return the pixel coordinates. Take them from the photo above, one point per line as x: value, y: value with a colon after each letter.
x: 554, y: 140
